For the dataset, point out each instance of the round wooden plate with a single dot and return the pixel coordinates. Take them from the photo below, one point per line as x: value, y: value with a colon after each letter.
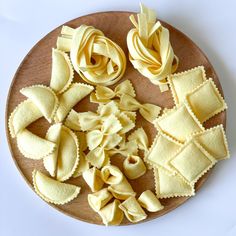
x: 36, y: 69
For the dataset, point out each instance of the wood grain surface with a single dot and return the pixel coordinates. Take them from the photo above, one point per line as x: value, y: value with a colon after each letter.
x: 36, y: 69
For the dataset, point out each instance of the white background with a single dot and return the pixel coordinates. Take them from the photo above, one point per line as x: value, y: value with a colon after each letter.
x: 211, y: 24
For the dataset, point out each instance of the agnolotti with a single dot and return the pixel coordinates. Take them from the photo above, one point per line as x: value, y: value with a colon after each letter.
x: 53, y: 191
x: 33, y: 146
x: 37, y: 94
x: 62, y: 71
x: 22, y: 116
x: 67, y: 100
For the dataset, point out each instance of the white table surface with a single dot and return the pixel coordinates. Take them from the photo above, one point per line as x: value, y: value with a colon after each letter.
x: 211, y: 24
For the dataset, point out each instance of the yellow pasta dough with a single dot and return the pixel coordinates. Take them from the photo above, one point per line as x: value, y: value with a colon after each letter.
x: 53, y: 191
x: 179, y: 123
x: 92, y: 177
x: 72, y: 120
x: 125, y: 148
x: 197, y: 101
x: 162, y: 150
x: 62, y: 71
x: 50, y: 161
x: 140, y: 137
x: 68, y: 154
x: 167, y: 185
x: 111, y: 174
x: 105, y: 94
x: 192, y: 161
x: 123, y: 190
x: 134, y: 167
x: 111, y: 214
x: 184, y: 82
x: 149, y: 201
x: 149, y: 111
x: 99, y: 199
x: 214, y: 141
x: 33, y: 146
x: 22, y: 116
x: 89, y: 120
x: 133, y: 211
x: 37, y: 94
x: 97, y: 59
x: 150, y: 50
x: 75, y: 93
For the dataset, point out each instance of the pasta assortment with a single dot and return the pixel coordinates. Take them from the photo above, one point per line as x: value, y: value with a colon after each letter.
x: 85, y: 143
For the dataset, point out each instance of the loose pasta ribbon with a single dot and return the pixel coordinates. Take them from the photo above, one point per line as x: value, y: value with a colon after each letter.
x: 150, y: 50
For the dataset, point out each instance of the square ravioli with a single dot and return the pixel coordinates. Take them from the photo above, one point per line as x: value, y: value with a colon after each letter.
x: 206, y: 101
x: 162, y: 150
x: 179, y: 123
x: 214, y: 141
x: 192, y: 161
x: 184, y: 82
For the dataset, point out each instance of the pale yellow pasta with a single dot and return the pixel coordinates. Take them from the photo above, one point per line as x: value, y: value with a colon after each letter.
x: 92, y: 177
x: 50, y: 161
x: 192, y: 161
x: 22, y: 116
x: 125, y: 148
x: 68, y: 154
x: 99, y: 199
x: 72, y: 121
x: 105, y: 94
x: 67, y: 100
x: 111, y: 108
x: 37, y: 94
x: 214, y: 141
x: 167, y: 185
x: 140, y: 137
x: 126, y: 122
x: 197, y: 101
x: 111, y: 174
x: 89, y: 120
x: 133, y: 211
x: 52, y: 190
x: 184, y: 82
x: 149, y: 111
x: 98, y: 157
x: 111, y: 214
x: 123, y: 190
x: 62, y: 71
x: 149, y: 201
x: 134, y: 167
x: 97, y: 59
x: 150, y: 50
x: 179, y: 122
x: 162, y: 150
x: 83, y: 162
x: 33, y: 146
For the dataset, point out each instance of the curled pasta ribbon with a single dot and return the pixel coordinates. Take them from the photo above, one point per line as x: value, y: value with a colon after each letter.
x: 133, y: 211
x: 149, y: 111
x: 104, y: 94
x: 99, y: 199
x: 107, y: 136
x: 92, y: 177
x: 111, y: 214
x: 97, y: 59
x: 111, y: 174
x: 149, y: 201
x: 150, y: 50
x: 134, y: 167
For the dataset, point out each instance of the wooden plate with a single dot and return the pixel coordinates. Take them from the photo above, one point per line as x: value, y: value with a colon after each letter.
x: 36, y: 69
